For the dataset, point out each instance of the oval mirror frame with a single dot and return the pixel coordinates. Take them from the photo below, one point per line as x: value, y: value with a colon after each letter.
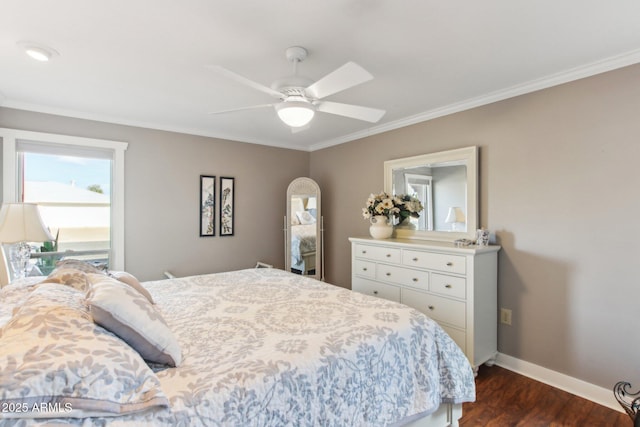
x: 305, y: 188
x: 467, y: 156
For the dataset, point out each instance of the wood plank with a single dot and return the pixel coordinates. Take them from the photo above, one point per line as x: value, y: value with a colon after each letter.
x: 504, y: 398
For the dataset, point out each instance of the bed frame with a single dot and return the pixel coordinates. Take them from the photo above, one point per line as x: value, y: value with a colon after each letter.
x: 447, y: 415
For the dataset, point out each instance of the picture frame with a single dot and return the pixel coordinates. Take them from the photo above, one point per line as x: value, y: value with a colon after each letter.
x: 227, y: 204
x: 207, y: 205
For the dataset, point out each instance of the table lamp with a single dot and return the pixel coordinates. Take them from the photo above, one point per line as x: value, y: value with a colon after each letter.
x: 21, y: 223
x: 455, y: 217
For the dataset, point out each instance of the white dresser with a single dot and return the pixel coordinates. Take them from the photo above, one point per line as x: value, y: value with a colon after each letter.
x: 456, y: 286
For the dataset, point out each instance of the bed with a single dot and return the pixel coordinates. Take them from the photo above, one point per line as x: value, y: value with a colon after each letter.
x: 255, y: 347
x: 303, y: 247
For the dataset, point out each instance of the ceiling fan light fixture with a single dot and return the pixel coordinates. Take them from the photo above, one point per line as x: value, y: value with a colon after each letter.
x: 295, y: 113
x: 37, y: 51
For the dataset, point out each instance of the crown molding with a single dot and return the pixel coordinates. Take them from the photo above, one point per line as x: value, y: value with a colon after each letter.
x: 577, y: 73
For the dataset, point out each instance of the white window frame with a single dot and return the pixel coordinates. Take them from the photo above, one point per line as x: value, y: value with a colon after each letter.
x: 10, y: 139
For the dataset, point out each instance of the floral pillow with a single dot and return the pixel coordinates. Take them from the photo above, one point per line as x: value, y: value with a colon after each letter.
x: 69, y: 276
x: 82, y: 266
x: 305, y: 217
x: 55, y: 362
x: 128, y: 314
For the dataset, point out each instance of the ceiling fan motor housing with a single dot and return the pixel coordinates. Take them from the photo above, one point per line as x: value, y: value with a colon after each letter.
x: 292, y: 85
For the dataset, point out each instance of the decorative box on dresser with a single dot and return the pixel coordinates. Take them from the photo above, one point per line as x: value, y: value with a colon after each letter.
x: 455, y: 286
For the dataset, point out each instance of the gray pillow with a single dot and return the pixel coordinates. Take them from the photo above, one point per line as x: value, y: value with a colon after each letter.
x: 124, y: 311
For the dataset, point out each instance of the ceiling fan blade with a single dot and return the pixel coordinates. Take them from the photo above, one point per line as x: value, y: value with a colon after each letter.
x: 253, y: 107
x: 243, y: 80
x: 349, y: 75
x: 348, y: 110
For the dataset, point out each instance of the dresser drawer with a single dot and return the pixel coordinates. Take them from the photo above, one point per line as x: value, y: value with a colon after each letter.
x: 378, y: 253
x: 376, y: 289
x: 438, y: 308
x: 435, y: 261
x: 364, y: 268
x: 402, y: 276
x: 450, y: 286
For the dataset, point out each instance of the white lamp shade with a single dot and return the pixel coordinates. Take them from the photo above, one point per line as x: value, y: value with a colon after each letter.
x: 295, y: 113
x: 21, y: 222
x: 311, y: 203
x: 455, y: 215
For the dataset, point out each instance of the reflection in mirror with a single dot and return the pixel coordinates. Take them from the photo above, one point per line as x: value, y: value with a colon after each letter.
x: 446, y: 184
x: 303, y: 229
x: 439, y: 187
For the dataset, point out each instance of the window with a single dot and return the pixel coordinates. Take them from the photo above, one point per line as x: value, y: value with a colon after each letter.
x: 73, y: 193
x: 421, y: 186
x: 97, y: 220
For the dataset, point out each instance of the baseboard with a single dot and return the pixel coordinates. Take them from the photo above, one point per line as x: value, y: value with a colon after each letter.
x: 594, y: 393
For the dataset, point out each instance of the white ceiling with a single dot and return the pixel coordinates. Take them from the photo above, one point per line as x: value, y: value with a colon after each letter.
x: 142, y: 62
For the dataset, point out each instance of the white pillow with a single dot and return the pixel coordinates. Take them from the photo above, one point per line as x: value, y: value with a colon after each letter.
x: 127, y: 313
x: 305, y: 217
x: 131, y: 280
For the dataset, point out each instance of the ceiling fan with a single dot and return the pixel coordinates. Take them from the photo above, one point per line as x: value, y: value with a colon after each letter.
x: 300, y: 97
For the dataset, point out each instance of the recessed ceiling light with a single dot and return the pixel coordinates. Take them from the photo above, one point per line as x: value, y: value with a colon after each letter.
x: 38, y: 51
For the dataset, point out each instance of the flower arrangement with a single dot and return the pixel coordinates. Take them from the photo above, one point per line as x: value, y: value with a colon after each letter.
x: 408, y: 206
x: 378, y: 204
x: 401, y: 206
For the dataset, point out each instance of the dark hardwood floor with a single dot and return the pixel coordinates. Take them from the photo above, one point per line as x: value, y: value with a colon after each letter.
x: 504, y: 398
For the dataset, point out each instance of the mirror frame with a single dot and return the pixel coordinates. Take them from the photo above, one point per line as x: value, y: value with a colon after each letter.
x: 305, y: 187
x: 467, y: 156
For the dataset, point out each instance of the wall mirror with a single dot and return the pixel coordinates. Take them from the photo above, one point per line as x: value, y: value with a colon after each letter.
x: 447, y: 185
x: 303, y: 228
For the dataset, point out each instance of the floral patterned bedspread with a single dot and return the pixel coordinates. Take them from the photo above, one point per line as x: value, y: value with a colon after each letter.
x: 263, y: 347
x: 303, y: 240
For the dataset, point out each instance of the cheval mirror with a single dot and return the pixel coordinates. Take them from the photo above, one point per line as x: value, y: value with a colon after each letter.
x: 303, y: 229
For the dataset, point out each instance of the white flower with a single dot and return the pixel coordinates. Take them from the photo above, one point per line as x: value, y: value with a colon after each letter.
x: 399, y: 205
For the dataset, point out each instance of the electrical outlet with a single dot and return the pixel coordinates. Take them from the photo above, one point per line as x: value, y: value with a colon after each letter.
x: 505, y: 316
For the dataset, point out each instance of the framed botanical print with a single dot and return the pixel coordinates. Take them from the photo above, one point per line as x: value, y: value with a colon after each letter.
x: 227, y: 197
x: 207, y: 205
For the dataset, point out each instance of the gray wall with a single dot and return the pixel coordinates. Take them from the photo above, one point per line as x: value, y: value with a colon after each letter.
x: 559, y: 184
x: 162, y: 172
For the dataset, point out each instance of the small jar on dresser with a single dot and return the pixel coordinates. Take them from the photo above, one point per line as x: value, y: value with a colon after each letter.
x: 455, y: 286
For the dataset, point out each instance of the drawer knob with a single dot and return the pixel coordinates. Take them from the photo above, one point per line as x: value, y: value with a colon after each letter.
x: 415, y: 259
x: 388, y: 274
x: 375, y: 292
x: 388, y: 255
x: 415, y: 279
x: 364, y: 252
x: 449, y: 264
x: 448, y: 286
x: 431, y: 307
x: 364, y: 268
